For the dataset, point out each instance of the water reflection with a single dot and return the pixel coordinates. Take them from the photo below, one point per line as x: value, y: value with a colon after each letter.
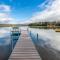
x: 47, y: 44
x: 4, y: 43
x: 8, y: 40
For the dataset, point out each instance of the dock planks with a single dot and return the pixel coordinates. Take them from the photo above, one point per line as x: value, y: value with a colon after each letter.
x: 24, y: 49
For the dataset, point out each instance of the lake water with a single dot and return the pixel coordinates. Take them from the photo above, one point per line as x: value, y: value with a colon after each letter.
x: 6, y: 38
x: 47, y: 43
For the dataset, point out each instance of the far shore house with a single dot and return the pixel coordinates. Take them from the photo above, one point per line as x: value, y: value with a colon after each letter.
x: 51, y: 25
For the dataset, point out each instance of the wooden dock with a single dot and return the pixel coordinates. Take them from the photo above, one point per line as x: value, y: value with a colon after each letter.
x: 24, y: 49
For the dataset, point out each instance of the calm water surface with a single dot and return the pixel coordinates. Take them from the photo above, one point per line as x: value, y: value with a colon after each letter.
x: 6, y: 43
x: 47, y: 43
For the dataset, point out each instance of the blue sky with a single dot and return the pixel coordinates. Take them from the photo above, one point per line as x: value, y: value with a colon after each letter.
x: 25, y: 8
x: 22, y: 9
x: 13, y: 11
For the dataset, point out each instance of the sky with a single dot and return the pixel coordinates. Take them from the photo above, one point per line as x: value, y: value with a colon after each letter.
x: 27, y: 11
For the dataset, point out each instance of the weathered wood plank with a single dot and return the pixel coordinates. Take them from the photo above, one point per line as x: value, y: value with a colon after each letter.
x: 24, y: 49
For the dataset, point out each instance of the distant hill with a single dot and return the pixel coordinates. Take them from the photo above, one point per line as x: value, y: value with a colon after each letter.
x: 11, y: 25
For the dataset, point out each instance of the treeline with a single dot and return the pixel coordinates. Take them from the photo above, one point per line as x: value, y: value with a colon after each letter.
x: 11, y: 25
x: 38, y: 24
x: 45, y: 25
x: 58, y: 24
x: 7, y: 25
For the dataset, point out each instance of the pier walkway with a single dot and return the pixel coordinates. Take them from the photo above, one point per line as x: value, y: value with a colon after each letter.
x: 24, y: 49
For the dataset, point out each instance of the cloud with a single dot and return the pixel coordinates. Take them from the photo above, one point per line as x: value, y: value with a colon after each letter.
x: 45, y: 4
x: 51, y: 12
x: 5, y: 8
x: 5, y: 18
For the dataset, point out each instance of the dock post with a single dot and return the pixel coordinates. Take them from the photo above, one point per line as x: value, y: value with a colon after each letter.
x: 12, y: 44
x: 20, y: 31
x: 37, y: 36
x: 30, y: 33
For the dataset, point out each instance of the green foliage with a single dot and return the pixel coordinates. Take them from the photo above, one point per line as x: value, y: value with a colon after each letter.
x: 38, y: 24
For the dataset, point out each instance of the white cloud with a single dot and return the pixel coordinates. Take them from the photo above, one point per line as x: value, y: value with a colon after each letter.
x: 5, y: 18
x: 51, y: 13
x: 45, y: 4
x: 5, y: 8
